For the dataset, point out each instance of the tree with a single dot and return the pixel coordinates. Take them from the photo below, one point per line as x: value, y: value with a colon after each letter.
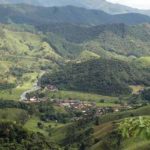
x: 97, y: 121
x: 82, y: 146
x: 40, y: 125
x: 28, y: 96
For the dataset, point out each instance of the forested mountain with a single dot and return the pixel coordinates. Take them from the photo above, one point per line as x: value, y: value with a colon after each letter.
x: 108, y: 77
x: 94, y: 4
x: 118, y: 38
x: 79, y: 34
x: 40, y: 15
x: 59, y: 41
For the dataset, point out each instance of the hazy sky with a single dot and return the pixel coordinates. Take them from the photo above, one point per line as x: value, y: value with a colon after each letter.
x: 142, y: 4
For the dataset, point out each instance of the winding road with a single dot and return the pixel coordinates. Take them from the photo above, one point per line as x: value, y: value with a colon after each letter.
x: 35, y: 88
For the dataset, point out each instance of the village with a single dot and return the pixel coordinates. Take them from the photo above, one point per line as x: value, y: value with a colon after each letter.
x: 84, y: 107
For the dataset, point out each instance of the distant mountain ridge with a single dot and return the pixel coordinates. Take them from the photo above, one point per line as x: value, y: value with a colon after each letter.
x: 94, y: 4
x: 28, y: 14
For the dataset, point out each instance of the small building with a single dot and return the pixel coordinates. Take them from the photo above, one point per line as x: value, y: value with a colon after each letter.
x: 52, y: 88
x: 33, y: 99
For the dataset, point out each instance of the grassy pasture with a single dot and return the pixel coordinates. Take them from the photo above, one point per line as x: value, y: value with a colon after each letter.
x: 27, y: 79
x: 138, y: 141
x: 143, y: 111
x: 13, y: 114
x: 136, y: 144
x: 31, y: 125
x: 23, y: 50
x: 108, y: 100
x: 144, y: 61
x: 136, y: 88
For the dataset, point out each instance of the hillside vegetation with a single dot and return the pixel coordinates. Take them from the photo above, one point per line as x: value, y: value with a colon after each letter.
x: 122, y: 135
x: 15, y: 137
x: 114, y: 38
x: 20, y: 60
x: 109, y: 77
x: 70, y: 41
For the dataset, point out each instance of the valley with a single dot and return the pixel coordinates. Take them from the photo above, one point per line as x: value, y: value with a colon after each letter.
x: 72, y: 82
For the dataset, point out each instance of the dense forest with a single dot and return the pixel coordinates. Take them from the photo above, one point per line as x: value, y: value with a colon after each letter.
x: 109, y: 77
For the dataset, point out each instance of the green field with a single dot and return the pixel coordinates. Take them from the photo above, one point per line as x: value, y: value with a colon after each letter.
x: 31, y: 125
x: 13, y: 114
x: 134, y: 133
x: 137, y: 144
x: 143, y: 61
x: 136, y: 88
x: 108, y: 100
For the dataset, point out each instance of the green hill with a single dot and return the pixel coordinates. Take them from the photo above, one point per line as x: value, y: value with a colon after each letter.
x: 122, y: 130
x: 104, y: 76
x: 16, y: 137
x: 113, y: 135
x: 25, y: 50
x: 23, y: 56
x: 114, y: 38
x: 70, y: 41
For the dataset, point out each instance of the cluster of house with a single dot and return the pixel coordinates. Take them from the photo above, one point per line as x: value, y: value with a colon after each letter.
x: 83, y: 106
x: 33, y: 99
x: 74, y: 104
x: 86, y: 107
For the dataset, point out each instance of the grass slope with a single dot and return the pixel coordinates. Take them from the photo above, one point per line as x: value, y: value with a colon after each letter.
x: 23, y: 55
